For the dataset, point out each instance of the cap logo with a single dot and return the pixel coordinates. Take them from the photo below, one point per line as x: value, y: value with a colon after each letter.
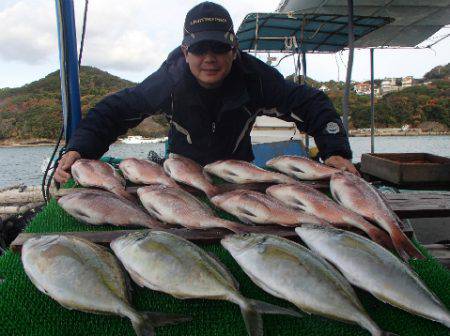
x: 209, y: 20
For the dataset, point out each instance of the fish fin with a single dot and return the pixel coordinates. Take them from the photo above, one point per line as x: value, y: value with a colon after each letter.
x: 268, y: 308
x: 149, y: 320
x: 227, y: 273
x: 387, y: 333
x: 404, y: 247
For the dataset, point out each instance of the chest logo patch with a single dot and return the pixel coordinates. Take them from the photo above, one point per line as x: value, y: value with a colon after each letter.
x: 332, y: 128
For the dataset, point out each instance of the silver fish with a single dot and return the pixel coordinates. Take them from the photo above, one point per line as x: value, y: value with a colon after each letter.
x: 258, y: 208
x: 312, y: 201
x: 165, y: 262
x: 373, y: 268
x: 102, y: 207
x: 292, y: 272
x: 83, y: 276
x: 145, y: 172
x: 95, y: 173
x: 301, y: 168
x: 237, y: 171
x: 176, y: 206
x: 359, y: 196
x: 189, y: 172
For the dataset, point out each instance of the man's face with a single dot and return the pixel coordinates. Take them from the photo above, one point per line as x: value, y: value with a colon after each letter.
x: 209, y: 62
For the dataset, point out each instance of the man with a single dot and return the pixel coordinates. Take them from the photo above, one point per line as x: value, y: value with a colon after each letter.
x: 211, y: 93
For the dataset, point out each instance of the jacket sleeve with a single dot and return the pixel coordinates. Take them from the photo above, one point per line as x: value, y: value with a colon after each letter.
x: 115, y: 114
x: 311, y: 110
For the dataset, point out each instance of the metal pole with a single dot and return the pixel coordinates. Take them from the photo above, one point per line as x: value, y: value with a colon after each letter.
x: 372, y: 105
x: 70, y: 83
x: 304, y: 82
x: 351, y: 38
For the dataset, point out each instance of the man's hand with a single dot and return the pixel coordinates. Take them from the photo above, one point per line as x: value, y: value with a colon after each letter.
x: 340, y: 163
x: 62, y: 173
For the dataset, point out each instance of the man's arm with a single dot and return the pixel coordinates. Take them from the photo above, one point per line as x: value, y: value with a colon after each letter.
x: 313, y: 113
x: 112, y: 117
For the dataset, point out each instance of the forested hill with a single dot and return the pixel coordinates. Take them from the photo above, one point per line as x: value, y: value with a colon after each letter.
x: 33, y: 111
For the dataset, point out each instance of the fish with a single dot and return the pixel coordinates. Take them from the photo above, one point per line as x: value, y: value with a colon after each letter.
x: 168, y: 263
x: 237, y: 171
x: 83, y: 276
x: 356, y: 194
x: 145, y: 172
x: 258, y: 208
x: 291, y: 272
x: 189, y: 172
x: 312, y: 201
x: 95, y: 173
x: 301, y: 168
x: 177, y: 206
x: 373, y: 268
x: 98, y: 207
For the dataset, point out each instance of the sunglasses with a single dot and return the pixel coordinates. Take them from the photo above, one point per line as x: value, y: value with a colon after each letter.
x: 202, y: 48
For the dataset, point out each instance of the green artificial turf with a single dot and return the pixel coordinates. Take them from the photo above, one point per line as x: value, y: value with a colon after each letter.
x: 26, y: 311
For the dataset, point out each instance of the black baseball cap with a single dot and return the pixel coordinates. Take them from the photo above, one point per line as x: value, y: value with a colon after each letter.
x: 208, y: 21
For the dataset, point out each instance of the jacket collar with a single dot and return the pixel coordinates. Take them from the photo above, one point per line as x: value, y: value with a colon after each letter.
x: 235, y: 93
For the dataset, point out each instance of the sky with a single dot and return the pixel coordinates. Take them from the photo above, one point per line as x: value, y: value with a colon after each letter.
x: 132, y: 38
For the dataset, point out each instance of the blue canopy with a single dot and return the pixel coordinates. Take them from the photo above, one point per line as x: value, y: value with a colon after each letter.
x: 292, y: 32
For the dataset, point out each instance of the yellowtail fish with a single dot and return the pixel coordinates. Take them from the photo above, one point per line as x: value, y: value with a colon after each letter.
x: 83, y: 276
x: 374, y: 269
x: 167, y: 263
x: 292, y: 272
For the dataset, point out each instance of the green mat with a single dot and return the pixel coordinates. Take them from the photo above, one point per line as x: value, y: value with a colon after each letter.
x: 26, y: 311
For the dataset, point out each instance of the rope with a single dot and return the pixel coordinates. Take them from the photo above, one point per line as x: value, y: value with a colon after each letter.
x: 83, y: 33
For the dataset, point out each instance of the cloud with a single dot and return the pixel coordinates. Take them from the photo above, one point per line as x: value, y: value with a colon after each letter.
x: 27, y: 33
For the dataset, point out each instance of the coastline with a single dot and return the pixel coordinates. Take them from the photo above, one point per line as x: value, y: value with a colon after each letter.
x: 7, y: 143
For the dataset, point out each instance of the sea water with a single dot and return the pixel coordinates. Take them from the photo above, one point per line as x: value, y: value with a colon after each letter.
x: 26, y: 165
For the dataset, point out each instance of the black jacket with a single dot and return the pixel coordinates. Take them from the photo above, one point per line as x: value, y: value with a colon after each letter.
x: 251, y: 89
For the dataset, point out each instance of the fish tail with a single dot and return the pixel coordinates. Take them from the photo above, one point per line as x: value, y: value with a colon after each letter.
x: 404, y: 247
x: 253, y: 322
x: 252, y: 310
x: 125, y: 194
x: 145, y: 325
x: 239, y: 228
x: 380, y: 237
x: 213, y: 191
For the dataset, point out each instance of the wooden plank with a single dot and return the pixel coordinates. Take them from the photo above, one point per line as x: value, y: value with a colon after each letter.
x: 441, y: 252
x: 206, y: 236
x: 420, y: 205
